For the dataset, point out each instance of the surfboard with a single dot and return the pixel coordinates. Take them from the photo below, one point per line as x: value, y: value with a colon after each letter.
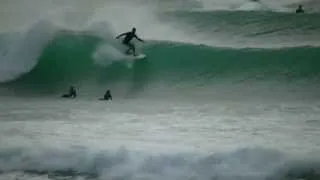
x: 139, y: 56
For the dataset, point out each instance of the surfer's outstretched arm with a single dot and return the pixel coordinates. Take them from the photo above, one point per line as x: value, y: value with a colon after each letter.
x: 123, y: 34
x: 138, y: 38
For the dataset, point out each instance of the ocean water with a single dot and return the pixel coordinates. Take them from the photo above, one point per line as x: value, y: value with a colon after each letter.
x: 229, y: 90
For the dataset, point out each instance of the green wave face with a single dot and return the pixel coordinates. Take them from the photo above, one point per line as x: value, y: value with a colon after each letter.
x: 69, y: 59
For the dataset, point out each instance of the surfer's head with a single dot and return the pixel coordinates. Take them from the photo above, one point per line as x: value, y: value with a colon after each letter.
x: 134, y: 30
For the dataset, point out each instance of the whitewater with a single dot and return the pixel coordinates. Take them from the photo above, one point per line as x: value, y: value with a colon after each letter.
x: 229, y: 90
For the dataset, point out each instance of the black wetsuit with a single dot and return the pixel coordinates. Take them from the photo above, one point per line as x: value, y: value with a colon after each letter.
x: 126, y: 41
x: 72, y: 93
x: 107, y: 95
x: 299, y: 11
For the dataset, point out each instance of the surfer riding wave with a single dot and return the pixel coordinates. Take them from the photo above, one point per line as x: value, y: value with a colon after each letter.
x: 128, y: 37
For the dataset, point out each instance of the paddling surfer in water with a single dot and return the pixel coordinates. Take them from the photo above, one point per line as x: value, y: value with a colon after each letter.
x: 300, y: 9
x: 128, y: 37
x: 72, y: 93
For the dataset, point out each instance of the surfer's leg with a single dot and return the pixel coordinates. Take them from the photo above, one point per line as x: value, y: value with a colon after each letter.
x: 129, y: 48
x: 132, y: 47
x: 128, y: 51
